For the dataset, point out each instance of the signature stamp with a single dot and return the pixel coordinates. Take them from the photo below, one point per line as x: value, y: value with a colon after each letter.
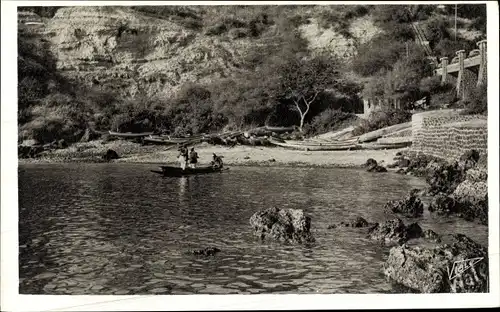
x: 461, y: 266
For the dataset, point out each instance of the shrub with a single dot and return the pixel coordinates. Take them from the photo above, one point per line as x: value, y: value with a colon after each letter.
x: 376, y: 55
x: 329, y: 120
x: 237, y: 33
x: 448, y: 47
x: 477, y: 101
x: 381, y: 119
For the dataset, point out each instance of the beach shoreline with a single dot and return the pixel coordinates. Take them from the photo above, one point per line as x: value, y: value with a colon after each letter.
x: 240, y: 155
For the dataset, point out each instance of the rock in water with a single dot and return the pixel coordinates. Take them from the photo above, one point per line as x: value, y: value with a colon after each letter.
x: 410, y: 206
x: 443, y: 204
x: 432, y: 236
x: 357, y: 222
x: 286, y: 225
x: 394, y: 231
x: 373, y: 166
x: 208, y: 251
x: 440, y: 269
x: 110, y: 154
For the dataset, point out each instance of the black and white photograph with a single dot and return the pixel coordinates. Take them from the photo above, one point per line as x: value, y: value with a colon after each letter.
x: 176, y: 149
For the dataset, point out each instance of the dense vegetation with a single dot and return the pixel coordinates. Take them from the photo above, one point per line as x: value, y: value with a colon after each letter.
x: 279, y: 83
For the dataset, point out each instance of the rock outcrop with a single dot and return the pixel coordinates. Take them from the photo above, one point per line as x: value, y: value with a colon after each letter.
x: 206, y: 252
x: 373, y: 166
x: 285, y: 225
x: 355, y: 222
x: 410, y: 206
x: 458, y: 267
x: 110, y: 155
x: 394, y: 231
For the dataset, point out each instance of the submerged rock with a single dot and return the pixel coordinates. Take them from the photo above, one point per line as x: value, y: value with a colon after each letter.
x: 286, y: 225
x: 208, y: 251
x: 410, y: 206
x: 461, y: 266
x: 356, y: 222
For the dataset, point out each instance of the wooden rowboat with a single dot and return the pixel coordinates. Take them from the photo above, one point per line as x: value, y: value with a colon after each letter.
x: 279, y: 129
x: 169, y: 171
x: 316, y: 147
x: 130, y: 134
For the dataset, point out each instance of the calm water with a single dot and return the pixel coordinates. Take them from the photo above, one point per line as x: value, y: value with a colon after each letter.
x: 120, y: 229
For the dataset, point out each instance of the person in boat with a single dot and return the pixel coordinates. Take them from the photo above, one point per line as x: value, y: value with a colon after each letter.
x: 183, y: 156
x: 217, y: 162
x: 193, y: 158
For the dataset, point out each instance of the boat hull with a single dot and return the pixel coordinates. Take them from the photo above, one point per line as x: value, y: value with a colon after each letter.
x: 169, y: 171
x: 130, y: 135
x: 315, y: 147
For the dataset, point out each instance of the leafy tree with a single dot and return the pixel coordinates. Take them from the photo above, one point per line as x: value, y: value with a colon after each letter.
x: 301, y: 80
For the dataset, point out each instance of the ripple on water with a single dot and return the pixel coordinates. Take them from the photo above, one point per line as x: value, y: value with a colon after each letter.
x: 116, y: 229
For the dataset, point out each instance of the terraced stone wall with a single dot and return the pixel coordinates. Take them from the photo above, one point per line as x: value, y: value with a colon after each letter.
x: 448, y: 134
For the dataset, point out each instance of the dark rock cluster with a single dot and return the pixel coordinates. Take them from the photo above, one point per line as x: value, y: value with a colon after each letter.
x: 373, y: 166
x: 410, y: 206
x: 457, y: 267
x: 285, y: 225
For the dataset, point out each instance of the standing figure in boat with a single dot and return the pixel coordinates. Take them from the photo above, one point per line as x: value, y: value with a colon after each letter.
x: 217, y: 162
x: 183, y: 156
x: 193, y: 158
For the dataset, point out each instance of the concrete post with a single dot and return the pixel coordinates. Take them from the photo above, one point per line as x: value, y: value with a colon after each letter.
x: 460, y: 83
x: 444, y: 68
x: 481, y: 77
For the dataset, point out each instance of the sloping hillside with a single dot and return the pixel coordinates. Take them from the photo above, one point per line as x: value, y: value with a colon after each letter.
x: 131, y: 50
x: 185, y: 69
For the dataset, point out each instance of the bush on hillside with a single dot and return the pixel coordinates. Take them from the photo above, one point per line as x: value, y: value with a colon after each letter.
x: 376, y: 55
x: 441, y: 95
x: 449, y: 47
x: 329, y: 120
x: 381, y: 119
x: 477, y: 101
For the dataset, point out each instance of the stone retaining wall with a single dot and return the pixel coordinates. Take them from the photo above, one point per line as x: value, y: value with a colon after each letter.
x: 447, y: 134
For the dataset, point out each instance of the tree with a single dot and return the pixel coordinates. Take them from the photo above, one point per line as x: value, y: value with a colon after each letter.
x: 302, y: 79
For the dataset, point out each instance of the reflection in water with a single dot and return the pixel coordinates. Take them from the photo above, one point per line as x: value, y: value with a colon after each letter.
x: 116, y: 229
x: 183, y: 181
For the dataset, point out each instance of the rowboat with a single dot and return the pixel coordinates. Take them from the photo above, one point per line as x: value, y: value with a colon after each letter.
x: 130, y: 134
x: 315, y: 147
x: 378, y: 146
x: 279, y: 129
x: 169, y: 171
x: 322, y: 142
x: 154, y: 140
x: 374, y: 135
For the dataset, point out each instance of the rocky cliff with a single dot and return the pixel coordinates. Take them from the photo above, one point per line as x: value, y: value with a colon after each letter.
x: 132, y: 52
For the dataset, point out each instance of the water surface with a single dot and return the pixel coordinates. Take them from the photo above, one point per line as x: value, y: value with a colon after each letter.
x: 120, y: 229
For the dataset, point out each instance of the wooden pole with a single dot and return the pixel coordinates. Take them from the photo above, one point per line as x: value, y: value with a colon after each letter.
x: 455, y: 22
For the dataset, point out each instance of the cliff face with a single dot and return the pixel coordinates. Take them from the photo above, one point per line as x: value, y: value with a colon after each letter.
x: 130, y: 52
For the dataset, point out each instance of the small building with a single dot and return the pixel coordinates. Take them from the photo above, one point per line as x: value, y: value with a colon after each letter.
x: 373, y: 104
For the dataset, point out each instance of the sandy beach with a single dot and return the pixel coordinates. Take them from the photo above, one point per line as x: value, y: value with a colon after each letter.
x: 237, y: 156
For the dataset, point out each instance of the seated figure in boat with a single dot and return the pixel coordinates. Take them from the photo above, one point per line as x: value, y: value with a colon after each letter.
x: 193, y: 158
x: 183, y: 156
x: 217, y: 162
